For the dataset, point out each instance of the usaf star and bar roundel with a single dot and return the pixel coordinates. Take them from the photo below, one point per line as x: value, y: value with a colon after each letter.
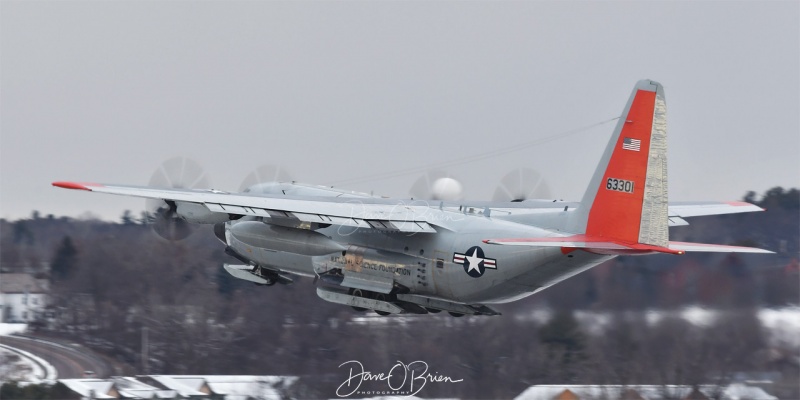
x: 474, y: 261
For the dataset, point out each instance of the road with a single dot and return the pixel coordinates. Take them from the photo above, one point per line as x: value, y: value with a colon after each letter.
x: 70, y: 361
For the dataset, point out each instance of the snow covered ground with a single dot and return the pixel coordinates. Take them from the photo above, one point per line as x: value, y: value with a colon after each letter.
x: 22, y: 366
x: 10, y: 329
x: 16, y: 368
x: 782, y: 325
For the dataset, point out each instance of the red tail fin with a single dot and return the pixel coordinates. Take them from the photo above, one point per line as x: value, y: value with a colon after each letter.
x: 627, y: 197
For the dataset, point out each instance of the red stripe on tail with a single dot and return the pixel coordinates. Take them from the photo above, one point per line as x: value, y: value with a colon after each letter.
x: 617, y: 213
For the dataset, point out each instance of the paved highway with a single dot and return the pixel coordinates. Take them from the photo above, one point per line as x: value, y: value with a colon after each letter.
x: 70, y: 361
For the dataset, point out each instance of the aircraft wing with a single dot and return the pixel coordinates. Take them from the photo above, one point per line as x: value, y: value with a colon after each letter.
x: 370, y: 213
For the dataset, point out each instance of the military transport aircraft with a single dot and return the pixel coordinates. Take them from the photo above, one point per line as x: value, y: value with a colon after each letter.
x: 410, y: 256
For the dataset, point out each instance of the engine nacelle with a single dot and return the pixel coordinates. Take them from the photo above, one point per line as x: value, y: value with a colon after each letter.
x: 281, y: 238
x: 199, y: 214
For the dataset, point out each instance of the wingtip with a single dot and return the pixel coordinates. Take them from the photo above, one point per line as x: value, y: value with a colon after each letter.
x: 74, y: 185
x: 745, y: 204
x: 715, y: 248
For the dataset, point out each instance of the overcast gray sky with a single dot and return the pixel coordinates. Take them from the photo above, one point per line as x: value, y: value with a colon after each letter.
x: 105, y: 91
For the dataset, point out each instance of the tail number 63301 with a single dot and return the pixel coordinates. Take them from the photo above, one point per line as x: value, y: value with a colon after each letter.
x: 619, y: 185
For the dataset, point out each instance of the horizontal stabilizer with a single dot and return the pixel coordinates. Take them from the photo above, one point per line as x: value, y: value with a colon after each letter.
x: 686, y: 210
x: 715, y: 248
x: 605, y: 246
x: 594, y: 244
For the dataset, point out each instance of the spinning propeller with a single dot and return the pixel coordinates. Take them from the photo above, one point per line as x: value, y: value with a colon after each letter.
x: 263, y: 174
x: 181, y: 172
x: 522, y: 184
x: 178, y: 173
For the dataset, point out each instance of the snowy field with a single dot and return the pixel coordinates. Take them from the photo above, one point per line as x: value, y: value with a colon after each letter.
x: 22, y: 366
x: 782, y: 325
x: 10, y: 329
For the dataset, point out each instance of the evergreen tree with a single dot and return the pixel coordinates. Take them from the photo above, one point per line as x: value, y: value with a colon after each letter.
x: 564, y: 340
x: 22, y: 233
x: 65, y: 261
x: 41, y: 391
x: 127, y: 218
x: 778, y: 197
x: 562, y: 330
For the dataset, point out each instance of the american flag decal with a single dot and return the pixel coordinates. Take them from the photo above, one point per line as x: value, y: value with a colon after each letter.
x: 631, y: 144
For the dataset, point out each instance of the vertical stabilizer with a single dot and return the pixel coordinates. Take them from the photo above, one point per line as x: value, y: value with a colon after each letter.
x: 627, y: 197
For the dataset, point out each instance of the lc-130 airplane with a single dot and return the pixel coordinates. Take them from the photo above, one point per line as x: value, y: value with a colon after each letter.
x: 410, y: 256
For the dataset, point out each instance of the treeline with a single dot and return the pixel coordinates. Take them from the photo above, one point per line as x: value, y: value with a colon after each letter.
x: 42, y: 391
x: 115, y: 283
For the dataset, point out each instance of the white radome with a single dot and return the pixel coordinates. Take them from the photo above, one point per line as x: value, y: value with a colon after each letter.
x: 446, y: 189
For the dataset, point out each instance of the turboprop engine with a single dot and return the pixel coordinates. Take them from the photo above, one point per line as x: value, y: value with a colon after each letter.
x: 199, y: 214
x: 281, y: 238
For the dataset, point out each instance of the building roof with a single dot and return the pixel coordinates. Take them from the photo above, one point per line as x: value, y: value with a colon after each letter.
x: 94, y: 388
x: 229, y: 387
x: 119, y: 387
x: 21, y: 283
x: 646, y: 392
x: 148, y: 394
x: 235, y: 387
x: 185, y: 386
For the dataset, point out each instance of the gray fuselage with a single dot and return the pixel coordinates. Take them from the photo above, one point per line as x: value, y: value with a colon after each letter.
x: 437, y: 265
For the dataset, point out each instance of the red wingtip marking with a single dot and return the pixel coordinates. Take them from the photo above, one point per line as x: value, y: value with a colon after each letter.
x: 74, y: 185
x: 738, y: 203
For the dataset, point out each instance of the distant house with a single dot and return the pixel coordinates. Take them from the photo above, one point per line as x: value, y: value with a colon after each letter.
x: 215, y: 387
x: 644, y: 392
x: 22, y: 297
